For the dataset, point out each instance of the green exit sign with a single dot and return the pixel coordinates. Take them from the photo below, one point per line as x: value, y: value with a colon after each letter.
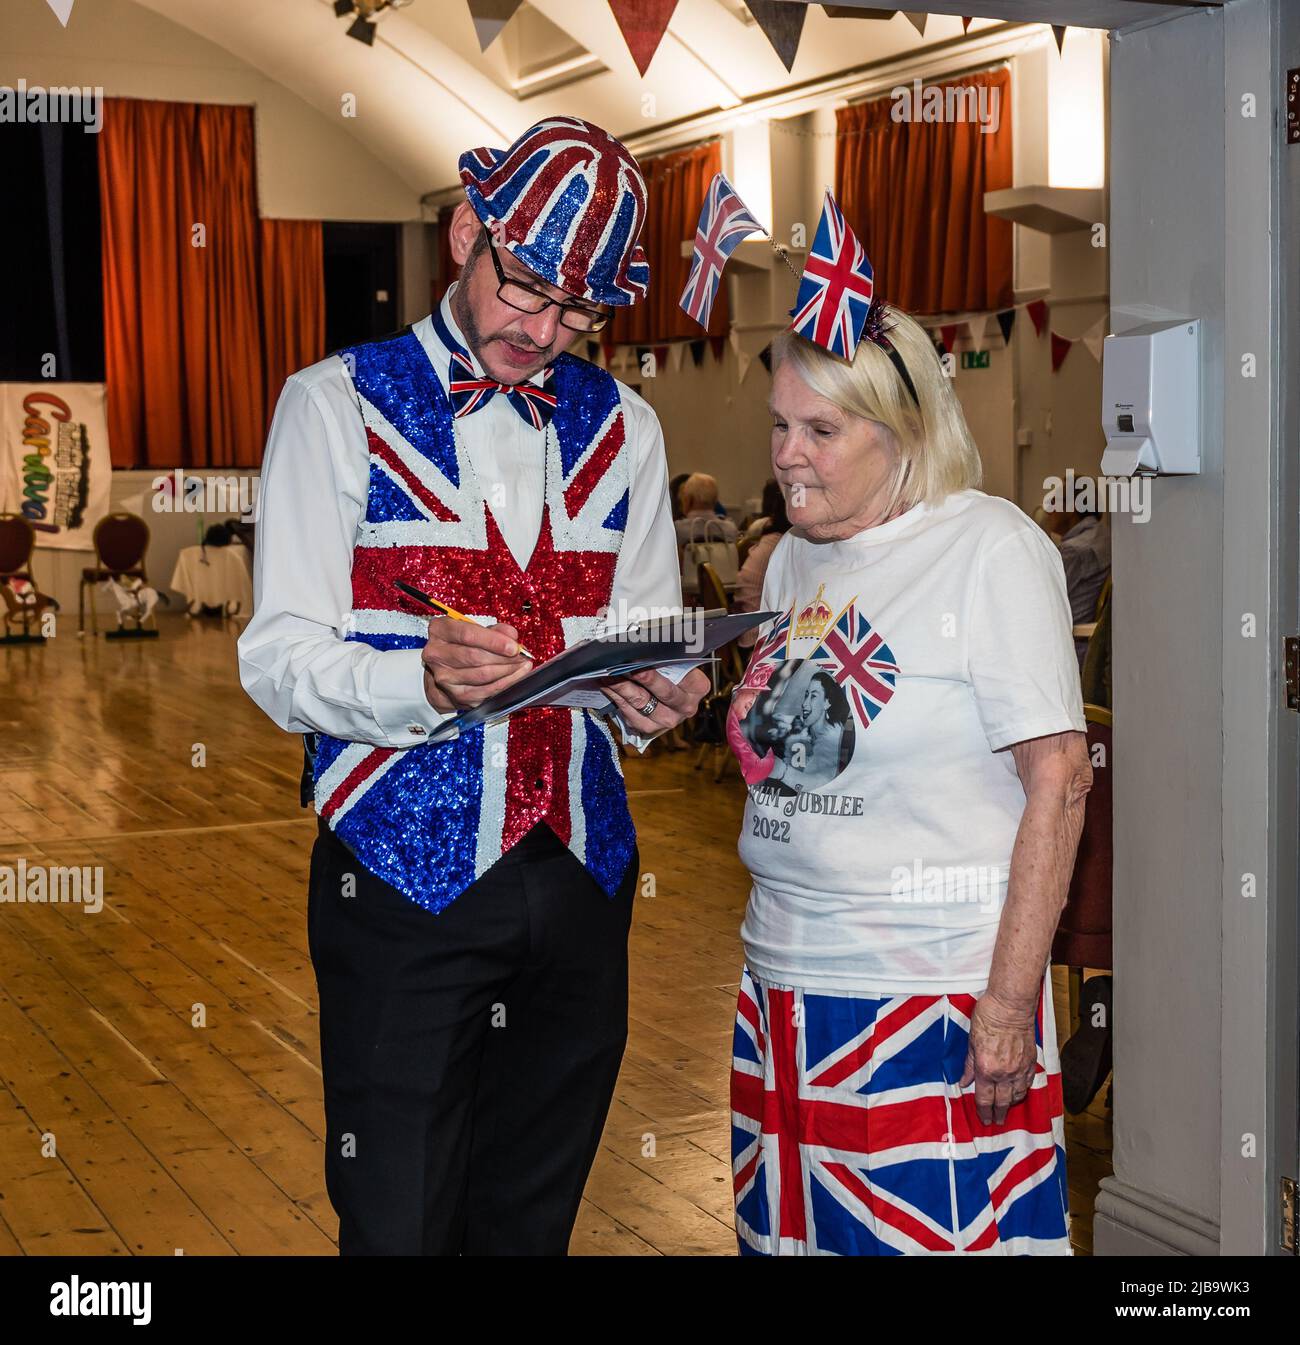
x: 975, y: 359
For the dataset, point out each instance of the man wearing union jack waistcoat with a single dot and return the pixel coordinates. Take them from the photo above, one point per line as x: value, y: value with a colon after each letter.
x: 470, y: 900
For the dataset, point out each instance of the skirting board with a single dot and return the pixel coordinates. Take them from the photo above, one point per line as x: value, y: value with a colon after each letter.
x: 1131, y: 1222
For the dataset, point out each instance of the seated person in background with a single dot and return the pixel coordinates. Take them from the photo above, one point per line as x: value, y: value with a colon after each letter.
x: 773, y: 524
x: 699, y: 496
x: 1084, y: 540
x: 675, y: 493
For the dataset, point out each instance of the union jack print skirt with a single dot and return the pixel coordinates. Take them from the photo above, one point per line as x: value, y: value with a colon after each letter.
x: 851, y: 1137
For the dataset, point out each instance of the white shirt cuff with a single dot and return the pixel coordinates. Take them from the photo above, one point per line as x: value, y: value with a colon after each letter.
x: 401, y: 709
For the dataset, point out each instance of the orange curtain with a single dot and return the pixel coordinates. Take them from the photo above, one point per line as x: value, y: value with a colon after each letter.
x: 197, y: 322
x: 676, y: 185
x: 913, y: 192
x: 293, y: 301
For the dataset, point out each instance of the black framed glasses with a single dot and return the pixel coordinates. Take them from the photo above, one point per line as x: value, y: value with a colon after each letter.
x: 576, y: 317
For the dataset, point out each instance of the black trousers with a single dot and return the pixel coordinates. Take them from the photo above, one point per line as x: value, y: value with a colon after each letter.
x: 469, y: 1057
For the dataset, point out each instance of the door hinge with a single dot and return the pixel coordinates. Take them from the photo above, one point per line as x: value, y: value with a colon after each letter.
x: 1288, y: 1215
x: 1291, y: 670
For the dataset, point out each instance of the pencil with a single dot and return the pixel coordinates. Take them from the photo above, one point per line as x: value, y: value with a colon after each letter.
x: 412, y: 592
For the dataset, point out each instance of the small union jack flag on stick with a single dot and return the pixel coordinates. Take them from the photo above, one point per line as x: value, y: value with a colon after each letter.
x: 724, y: 221
x: 836, y: 288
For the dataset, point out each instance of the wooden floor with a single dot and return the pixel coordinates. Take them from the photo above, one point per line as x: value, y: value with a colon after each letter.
x: 160, y: 1082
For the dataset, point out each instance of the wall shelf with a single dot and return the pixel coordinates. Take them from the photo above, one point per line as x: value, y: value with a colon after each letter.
x: 1052, y: 210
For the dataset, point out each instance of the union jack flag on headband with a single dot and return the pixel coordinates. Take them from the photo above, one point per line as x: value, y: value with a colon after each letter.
x: 852, y: 1136
x: 859, y: 660
x: 835, y: 291
x: 724, y: 221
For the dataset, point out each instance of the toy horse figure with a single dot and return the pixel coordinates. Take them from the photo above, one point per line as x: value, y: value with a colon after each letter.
x: 25, y: 605
x: 135, y: 601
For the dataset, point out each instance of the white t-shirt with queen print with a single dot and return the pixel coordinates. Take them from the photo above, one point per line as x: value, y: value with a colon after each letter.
x: 872, y: 728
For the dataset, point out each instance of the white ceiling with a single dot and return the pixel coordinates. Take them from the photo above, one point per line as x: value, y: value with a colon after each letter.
x: 424, y: 92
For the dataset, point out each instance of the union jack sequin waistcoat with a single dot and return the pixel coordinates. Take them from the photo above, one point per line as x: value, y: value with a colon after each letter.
x: 431, y: 819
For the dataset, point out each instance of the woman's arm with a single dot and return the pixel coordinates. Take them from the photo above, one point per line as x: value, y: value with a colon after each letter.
x: 1056, y: 775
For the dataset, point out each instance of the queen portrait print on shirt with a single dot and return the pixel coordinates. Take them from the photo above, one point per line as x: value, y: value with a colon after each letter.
x: 795, y: 723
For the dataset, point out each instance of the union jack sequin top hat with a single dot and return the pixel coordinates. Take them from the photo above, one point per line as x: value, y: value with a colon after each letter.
x: 571, y: 201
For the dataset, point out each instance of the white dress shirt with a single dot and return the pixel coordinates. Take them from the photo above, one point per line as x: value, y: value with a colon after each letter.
x: 293, y: 658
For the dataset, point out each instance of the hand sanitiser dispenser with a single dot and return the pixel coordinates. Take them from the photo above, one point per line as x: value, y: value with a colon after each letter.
x: 1151, y: 402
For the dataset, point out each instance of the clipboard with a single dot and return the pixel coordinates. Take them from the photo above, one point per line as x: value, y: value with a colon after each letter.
x: 571, y: 680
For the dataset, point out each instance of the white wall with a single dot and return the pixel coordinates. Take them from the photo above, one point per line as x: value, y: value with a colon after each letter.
x: 308, y: 167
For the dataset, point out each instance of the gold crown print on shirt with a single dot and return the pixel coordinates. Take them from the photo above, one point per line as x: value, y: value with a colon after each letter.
x: 814, y: 618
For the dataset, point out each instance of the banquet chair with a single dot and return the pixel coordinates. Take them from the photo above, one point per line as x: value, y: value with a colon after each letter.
x: 120, y: 541
x: 727, y: 673
x: 17, y: 542
x: 1083, y: 936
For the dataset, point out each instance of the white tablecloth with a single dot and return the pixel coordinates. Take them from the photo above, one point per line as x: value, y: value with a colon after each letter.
x: 216, y: 576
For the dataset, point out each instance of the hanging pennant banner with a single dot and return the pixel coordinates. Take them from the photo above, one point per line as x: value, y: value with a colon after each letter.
x: 1095, y: 337
x: 978, y: 329
x: 697, y: 351
x: 643, y: 24
x: 490, y: 17
x: 717, y: 344
x: 1038, y: 315
x: 917, y: 18
x: 782, y: 25
x: 766, y: 356
x: 675, y: 354
x: 1058, y: 32
x: 948, y: 334
x: 1007, y: 320
x: 853, y: 12
x: 1060, y: 349
x: 965, y: 25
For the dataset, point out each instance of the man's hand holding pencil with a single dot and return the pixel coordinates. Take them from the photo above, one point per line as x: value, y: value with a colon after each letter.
x: 465, y: 663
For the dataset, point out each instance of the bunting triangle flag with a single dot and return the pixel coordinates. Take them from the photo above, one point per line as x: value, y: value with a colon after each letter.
x: 853, y: 12
x: 697, y: 352
x: 62, y: 9
x: 1007, y: 320
x: 766, y: 356
x: 917, y: 18
x: 717, y: 344
x: 675, y: 354
x: 490, y: 17
x: 661, y: 358
x: 1060, y: 349
x: 643, y: 24
x: 744, y: 360
x: 948, y: 334
x: 1094, y: 338
x: 1038, y: 313
x: 782, y: 25
x: 965, y: 25
x: 1058, y: 32
x: 978, y: 329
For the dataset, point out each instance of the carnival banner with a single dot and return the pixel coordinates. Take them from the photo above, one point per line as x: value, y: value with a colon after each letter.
x: 54, y: 463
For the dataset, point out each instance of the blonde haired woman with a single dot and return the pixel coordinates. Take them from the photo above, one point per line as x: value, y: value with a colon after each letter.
x: 895, y: 1083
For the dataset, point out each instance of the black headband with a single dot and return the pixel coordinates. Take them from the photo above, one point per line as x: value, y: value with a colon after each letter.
x: 876, y: 329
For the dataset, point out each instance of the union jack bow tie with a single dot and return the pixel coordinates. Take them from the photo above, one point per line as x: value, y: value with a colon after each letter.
x: 469, y: 391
